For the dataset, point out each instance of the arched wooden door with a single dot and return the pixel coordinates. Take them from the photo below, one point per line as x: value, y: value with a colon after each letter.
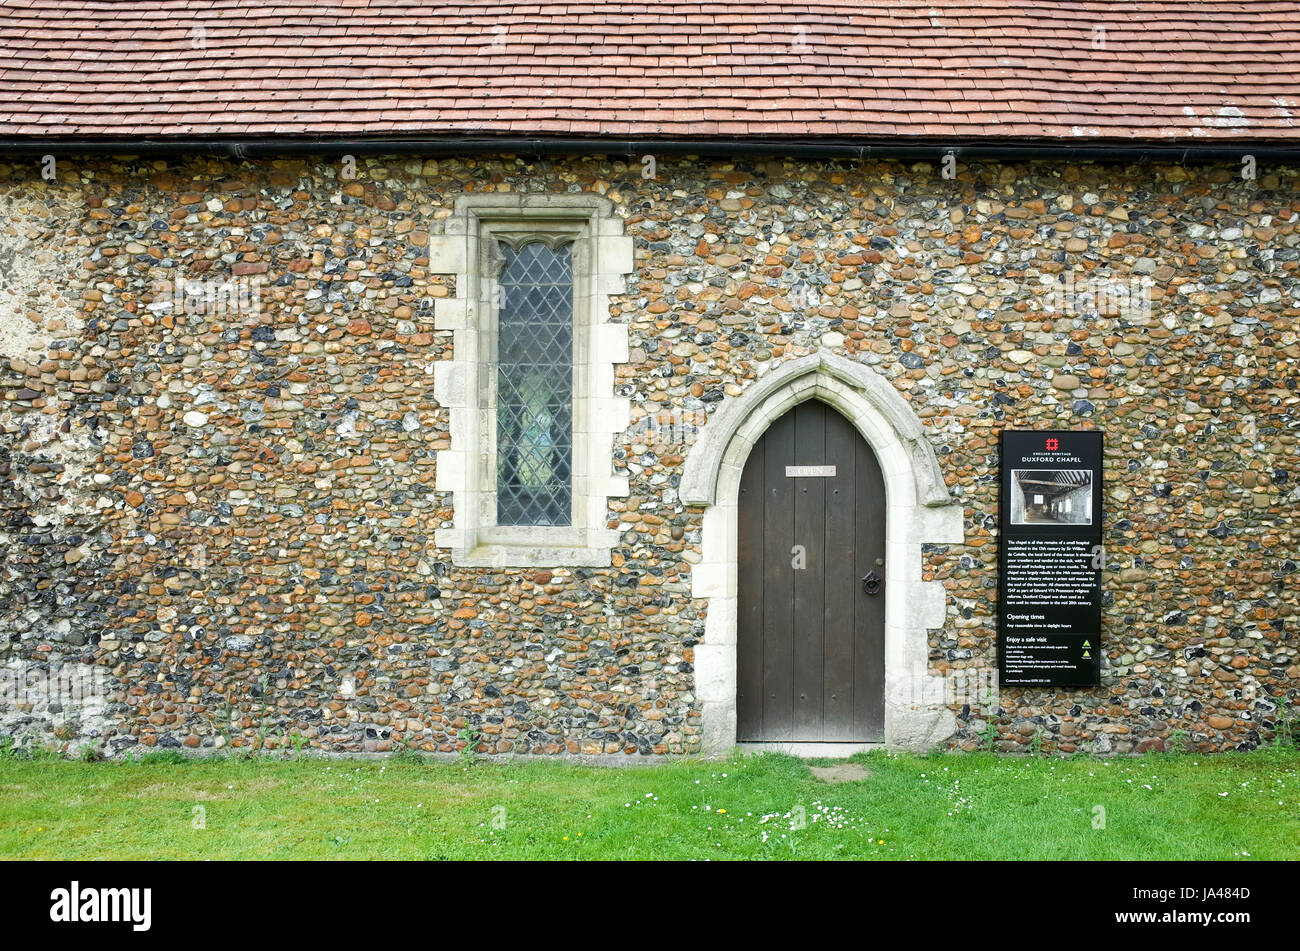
x: 811, y: 638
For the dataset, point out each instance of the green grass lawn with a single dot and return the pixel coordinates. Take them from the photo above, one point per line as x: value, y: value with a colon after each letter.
x: 974, y: 806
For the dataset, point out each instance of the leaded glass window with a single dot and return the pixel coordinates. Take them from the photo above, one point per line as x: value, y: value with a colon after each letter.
x: 535, y: 386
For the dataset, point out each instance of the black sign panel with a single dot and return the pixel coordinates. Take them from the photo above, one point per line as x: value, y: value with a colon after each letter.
x: 1049, y: 611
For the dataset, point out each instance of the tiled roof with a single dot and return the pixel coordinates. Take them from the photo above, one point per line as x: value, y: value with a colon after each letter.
x: 1077, y: 71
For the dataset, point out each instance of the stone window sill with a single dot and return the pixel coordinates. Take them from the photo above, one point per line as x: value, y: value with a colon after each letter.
x: 517, y: 556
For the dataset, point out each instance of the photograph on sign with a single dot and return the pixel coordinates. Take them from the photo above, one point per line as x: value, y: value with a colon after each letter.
x: 1051, y: 496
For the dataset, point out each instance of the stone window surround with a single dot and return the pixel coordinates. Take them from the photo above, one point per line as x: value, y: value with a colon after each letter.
x: 466, y: 384
x: 918, y: 510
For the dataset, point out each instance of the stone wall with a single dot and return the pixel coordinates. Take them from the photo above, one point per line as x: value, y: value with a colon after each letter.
x: 229, y: 516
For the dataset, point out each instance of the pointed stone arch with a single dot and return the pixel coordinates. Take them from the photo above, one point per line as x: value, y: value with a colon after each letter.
x: 918, y: 510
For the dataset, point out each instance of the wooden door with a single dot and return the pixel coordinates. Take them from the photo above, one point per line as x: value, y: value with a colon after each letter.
x: 811, y: 640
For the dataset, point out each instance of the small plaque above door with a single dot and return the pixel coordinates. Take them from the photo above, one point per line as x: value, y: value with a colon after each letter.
x: 809, y: 472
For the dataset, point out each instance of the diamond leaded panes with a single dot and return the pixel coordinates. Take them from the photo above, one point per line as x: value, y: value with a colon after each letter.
x: 535, y: 386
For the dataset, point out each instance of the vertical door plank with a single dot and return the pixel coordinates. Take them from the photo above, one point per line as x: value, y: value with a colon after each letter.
x: 869, y: 665
x: 778, y: 590
x: 810, y: 581
x: 750, y: 546
x: 843, y: 587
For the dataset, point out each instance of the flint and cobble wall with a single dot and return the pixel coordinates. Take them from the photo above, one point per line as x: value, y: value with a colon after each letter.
x: 229, y: 517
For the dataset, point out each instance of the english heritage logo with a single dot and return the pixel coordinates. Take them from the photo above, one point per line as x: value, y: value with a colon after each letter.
x: 1053, y: 445
x: 76, y: 904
